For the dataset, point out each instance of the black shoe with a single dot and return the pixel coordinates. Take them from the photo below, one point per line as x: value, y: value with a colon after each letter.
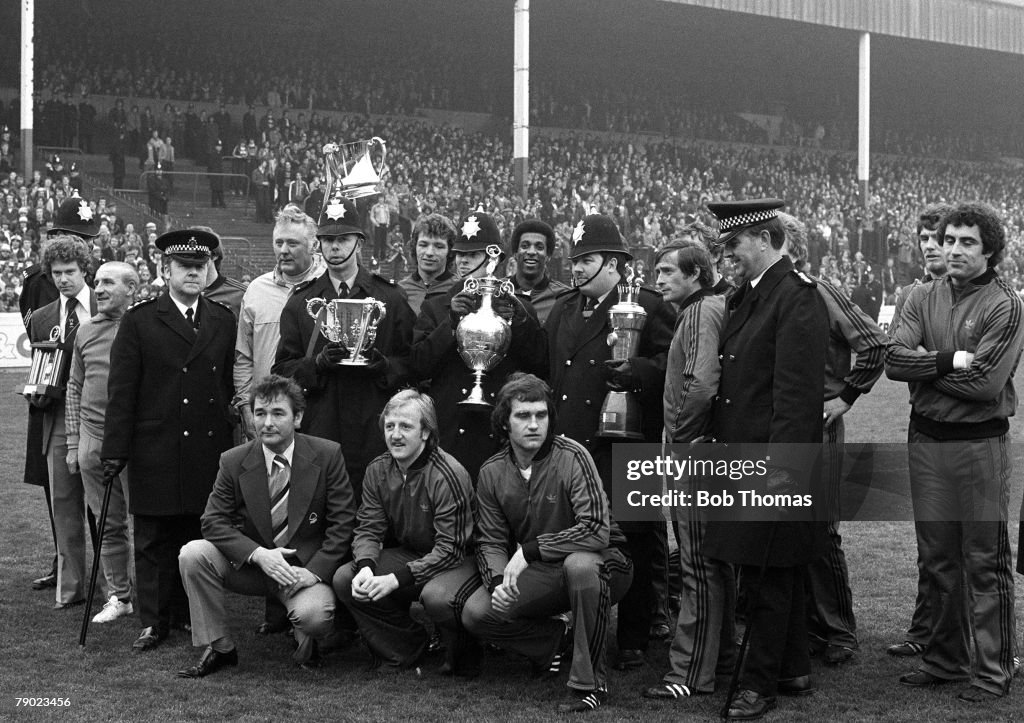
x: 436, y: 644
x: 838, y: 654
x: 974, y: 694
x: 798, y: 686
x: 661, y: 631
x: 210, y: 662
x: 584, y: 701
x: 667, y: 691
x: 148, y: 639
x: 629, y: 660
x: 921, y: 679
x: 68, y: 605
x: 906, y: 649
x: 749, y: 705
x: 41, y: 583
x: 273, y: 628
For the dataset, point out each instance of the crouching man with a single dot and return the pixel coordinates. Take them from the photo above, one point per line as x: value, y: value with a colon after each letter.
x: 412, y: 542
x: 278, y: 522
x: 546, y: 544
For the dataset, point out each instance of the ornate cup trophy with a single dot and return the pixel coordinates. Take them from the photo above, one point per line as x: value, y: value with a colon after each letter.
x: 352, y: 322
x: 350, y: 169
x: 483, y: 336
x: 46, y: 376
x: 620, y: 413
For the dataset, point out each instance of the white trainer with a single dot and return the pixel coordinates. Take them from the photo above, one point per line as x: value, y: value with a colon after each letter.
x: 112, y: 610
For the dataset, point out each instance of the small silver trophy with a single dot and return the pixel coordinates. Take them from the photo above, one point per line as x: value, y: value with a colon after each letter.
x: 352, y: 322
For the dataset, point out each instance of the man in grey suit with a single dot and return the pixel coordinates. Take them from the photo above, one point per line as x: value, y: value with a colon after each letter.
x: 278, y: 522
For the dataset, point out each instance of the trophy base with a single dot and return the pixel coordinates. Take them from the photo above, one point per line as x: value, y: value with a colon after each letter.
x: 476, y: 404
x: 619, y: 434
x: 359, y: 362
x: 43, y: 390
x: 621, y: 417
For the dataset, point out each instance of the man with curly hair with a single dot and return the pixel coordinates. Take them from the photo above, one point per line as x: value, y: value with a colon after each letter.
x: 958, y: 342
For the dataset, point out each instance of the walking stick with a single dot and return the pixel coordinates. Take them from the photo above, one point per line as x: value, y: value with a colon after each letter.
x: 734, y: 682
x: 108, y: 483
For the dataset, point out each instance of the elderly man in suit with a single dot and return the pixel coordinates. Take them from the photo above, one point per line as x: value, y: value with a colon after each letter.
x: 65, y: 261
x: 278, y: 522
x: 169, y: 415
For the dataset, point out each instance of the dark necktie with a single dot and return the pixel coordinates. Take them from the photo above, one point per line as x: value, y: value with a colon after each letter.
x: 342, y: 290
x: 588, y: 308
x: 190, y: 317
x: 279, y: 480
x: 71, y: 322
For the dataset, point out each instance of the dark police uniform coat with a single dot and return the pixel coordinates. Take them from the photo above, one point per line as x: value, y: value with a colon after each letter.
x: 344, y: 405
x: 577, y: 350
x: 466, y: 431
x: 772, y: 351
x: 169, y: 412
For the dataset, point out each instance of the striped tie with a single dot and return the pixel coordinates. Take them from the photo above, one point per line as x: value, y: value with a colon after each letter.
x: 279, y: 500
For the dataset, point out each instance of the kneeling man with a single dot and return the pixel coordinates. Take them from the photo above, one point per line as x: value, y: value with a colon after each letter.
x: 546, y: 544
x: 278, y: 522
x: 412, y: 542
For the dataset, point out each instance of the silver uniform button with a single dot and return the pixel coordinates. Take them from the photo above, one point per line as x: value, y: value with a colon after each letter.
x: 186, y: 433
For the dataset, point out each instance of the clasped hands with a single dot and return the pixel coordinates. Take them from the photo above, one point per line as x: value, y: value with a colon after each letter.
x: 367, y: 586
x: 274, y: 565
x: 508, y: 308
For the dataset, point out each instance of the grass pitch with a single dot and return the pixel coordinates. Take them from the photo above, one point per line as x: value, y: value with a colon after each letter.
x: 106, y: 681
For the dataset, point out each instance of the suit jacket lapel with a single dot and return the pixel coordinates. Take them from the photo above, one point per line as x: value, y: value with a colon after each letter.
x: 305, y: 475
x: 255, y: 489
x: 745, y: 300
x: 596, y: 325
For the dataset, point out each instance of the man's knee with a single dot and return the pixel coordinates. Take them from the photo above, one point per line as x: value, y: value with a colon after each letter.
x: 313, y: 611
x: 582, y: 570
x: 477, y: 612
x: 193, y: 555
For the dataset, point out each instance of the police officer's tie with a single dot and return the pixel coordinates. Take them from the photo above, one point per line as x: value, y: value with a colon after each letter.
x: 342, y: 290
x: 71, y: 322
x: 588, y: 307
x: 190, y: 317
x: 279, y: 484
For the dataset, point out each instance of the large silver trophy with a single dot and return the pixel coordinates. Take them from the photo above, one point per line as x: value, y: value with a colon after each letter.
x: 483, y: 336
x: 47, y: 375
x: 621, y: 415
x: 350, y: 168
x: 352, y: 322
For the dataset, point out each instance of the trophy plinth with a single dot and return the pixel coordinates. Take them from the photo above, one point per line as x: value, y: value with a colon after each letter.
x: 483, y: 337
x: 45, y: 377
x: 350, y: 322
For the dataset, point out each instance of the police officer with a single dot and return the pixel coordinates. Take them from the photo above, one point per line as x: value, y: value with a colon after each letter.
x: 76, y: 218
x: 465, y: 433
x: 169, y: 416
x: 582, y: 372
x: 344, y: 401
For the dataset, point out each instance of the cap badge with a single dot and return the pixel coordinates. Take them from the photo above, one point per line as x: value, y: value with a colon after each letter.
x: 335, y: 210
x: 471, y: 227
x: 577, y: 233
x: 84, y: 212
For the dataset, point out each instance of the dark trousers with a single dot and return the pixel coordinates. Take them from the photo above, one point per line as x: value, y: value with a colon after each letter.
x: 778, y: 628
x: 646, y: 541
x: 157, y: 579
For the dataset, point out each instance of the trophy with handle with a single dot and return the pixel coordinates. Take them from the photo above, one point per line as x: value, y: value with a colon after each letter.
x: 351, y: 322
x: 483, y: 337
x: 621, y: 415
x: 350, y: 168
x: 46, y: 376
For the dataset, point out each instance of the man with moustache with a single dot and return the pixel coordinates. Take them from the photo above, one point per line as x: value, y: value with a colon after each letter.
x: 582, y: 372
x: 533, y: 243
x: 116, y: 283
x: 413, y: 542
x: 66, y: 261
x: 169, y: 417
x: 435, y: 356
x: 344, y: 401
x: 433, y: 240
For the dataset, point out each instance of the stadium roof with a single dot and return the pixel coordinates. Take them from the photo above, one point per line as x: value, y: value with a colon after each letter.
x: 985, y: 24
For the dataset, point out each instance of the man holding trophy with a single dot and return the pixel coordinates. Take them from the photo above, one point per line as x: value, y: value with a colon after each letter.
x: 345, y: 339
x: 587, y: 361
x: 506, y: 337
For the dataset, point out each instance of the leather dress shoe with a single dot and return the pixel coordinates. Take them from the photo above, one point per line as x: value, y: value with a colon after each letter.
x: 798, y: 686
x: 838, y: 654
x: 41, y: 583
x: 68, y: 605
x: 661, y: 631
x: 629, y: 660
x: 750, y: 705
x: 210, y: 662
x: 272, y: 628
x: 148, y: 639
x: 906, y: 649
x: 921, y: 679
